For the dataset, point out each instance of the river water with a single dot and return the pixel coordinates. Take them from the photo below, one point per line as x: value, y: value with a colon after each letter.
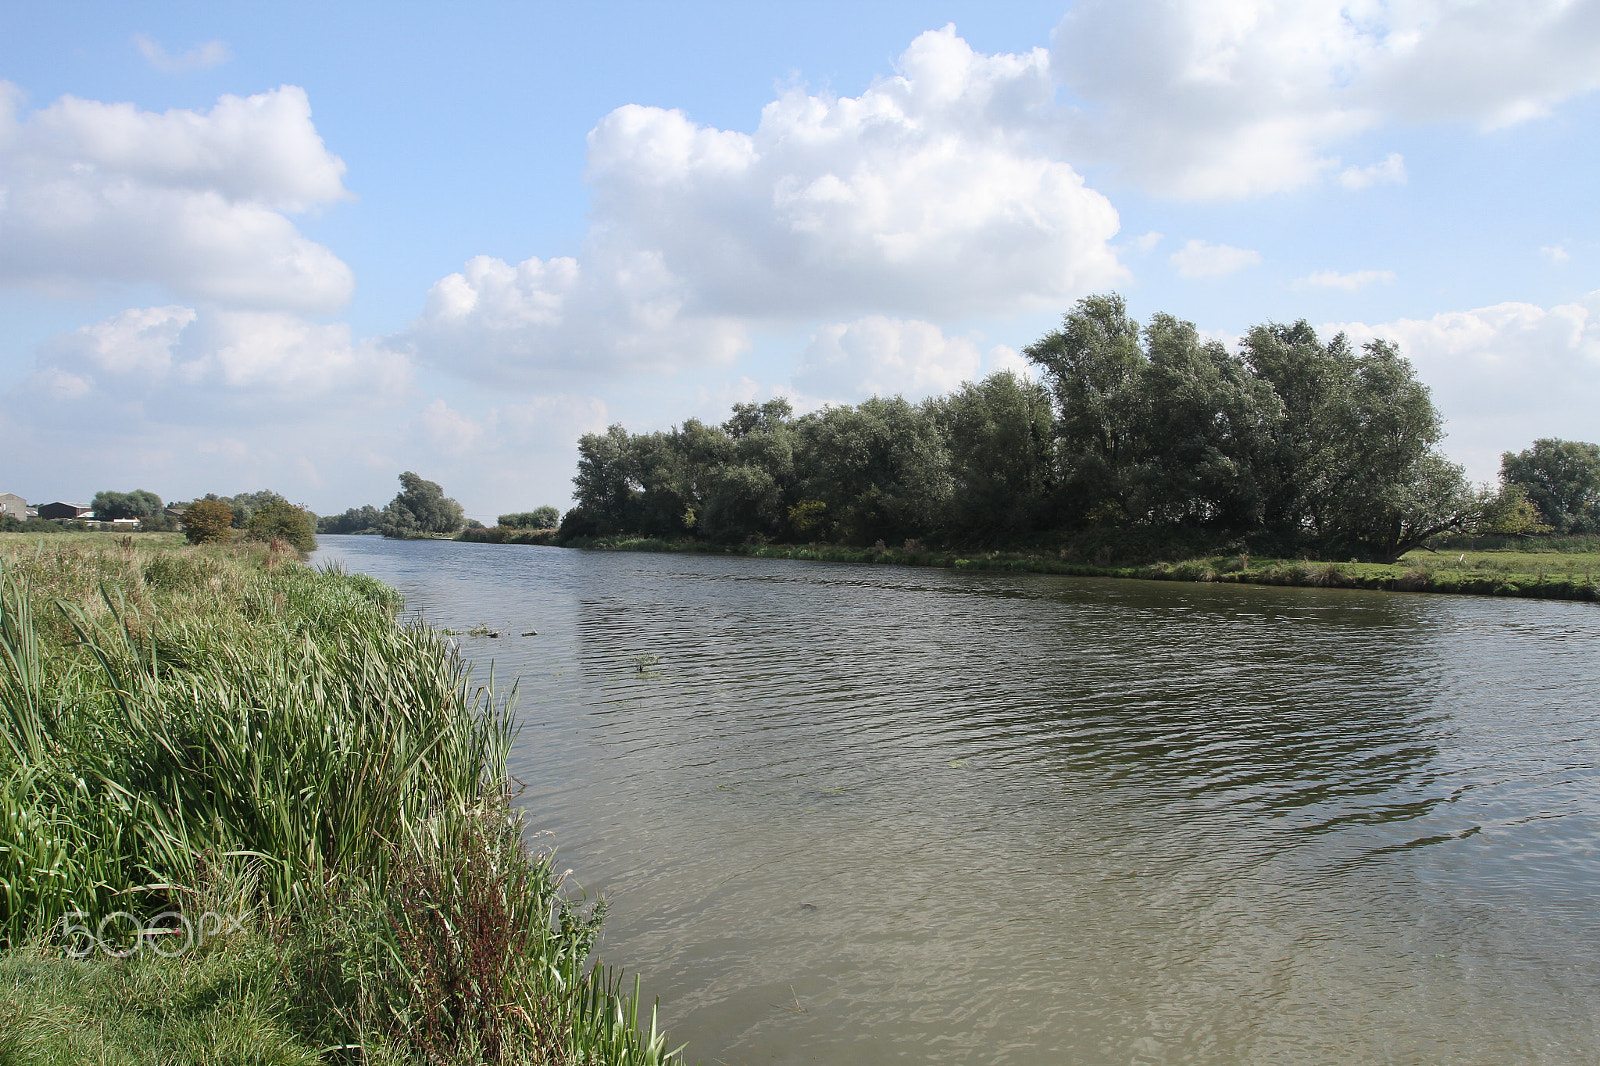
x: 872, y: 815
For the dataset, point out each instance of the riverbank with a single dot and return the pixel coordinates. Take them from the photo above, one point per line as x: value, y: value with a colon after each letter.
x: 247, y: 815
x: 1540, y: 575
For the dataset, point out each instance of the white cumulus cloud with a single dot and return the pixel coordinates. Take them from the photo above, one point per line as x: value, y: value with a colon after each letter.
x: 1198, y: 259
x: 932, y: 194
x: 1390, y: 171
x: 92, y: 192
x: 1356, y: 279
x: 179, y: 364
x: 1217, y: 99
x: 201, y: 56
x: 1504, y: 375
x: 883, y: 356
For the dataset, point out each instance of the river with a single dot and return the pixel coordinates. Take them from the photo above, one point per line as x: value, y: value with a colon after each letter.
x: 860, y: 815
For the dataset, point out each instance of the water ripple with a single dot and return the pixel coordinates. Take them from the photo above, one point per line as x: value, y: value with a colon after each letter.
x: 860, y: 814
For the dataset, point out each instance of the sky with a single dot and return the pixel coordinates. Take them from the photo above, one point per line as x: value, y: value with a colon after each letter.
x: 305, y: 247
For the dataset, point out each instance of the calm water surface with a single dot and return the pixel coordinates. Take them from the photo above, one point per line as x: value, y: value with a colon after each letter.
x: 874, y: 815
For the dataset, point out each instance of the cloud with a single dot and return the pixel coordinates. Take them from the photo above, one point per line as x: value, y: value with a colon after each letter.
x: 1391, y: 171
x: 174, y: 363
x: 1221, y: 99
x: 1332, y: 279
x: 448, y: 430
x: 1147, y: 242
x: 93, y: 193
x: 882, y: 356
x: 201, y: 56
x: 1556, y: 253
x: 931, y: 195
x: 1197, y: 259
x: 547, y: 319
x: 1504, y: 375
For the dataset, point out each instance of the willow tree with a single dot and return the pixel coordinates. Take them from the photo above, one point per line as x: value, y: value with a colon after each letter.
x: 420, y: 509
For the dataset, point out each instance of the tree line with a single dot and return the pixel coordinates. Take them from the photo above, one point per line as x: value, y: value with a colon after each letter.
x: 1291, y: 445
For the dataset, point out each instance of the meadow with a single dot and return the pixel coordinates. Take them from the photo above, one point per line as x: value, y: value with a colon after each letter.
x: 249, y: 814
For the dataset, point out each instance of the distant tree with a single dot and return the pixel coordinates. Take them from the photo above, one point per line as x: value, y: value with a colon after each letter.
x: 207, y: 520
x: 140, y: 503
x: 420, y: 509
x: 9, y: 524
x: 1353, y: 467
x: 286, y: 522
x: 539, y: 518
x: 1562, y: 479
x: 880, y: 467
x: 1510, y: 512
x: 1001, y: 436
x: 160, y: 522
x: 355, y: 520
x: 604, y: 485
x: 1094, y: 366
x: 246, y: 504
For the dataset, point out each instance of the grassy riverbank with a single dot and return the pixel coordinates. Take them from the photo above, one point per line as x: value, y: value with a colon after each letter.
x: 1544, y: 575
x: 246, y: 816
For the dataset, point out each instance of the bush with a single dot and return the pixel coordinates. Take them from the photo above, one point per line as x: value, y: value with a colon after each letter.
x: 286, y: 522
x: 206, y: 521
x: 539, y: 518
x: 8, y: 524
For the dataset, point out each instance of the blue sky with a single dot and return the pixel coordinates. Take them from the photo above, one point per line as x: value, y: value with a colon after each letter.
x: 306, y: 247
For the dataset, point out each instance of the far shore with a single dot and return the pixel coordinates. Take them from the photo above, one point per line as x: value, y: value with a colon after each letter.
x: 1537, y: 575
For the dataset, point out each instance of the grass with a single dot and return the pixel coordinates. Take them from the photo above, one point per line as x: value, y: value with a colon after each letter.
x: 224, y: 735
x: 1541, y: 574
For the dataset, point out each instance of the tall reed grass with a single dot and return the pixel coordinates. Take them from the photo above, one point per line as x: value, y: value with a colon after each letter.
x: 175, y: 718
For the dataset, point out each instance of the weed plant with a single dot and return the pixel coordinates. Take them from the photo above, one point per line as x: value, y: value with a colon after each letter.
x: 222, y: 729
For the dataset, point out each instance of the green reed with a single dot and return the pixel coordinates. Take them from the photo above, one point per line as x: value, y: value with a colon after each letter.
x: 175, y: 716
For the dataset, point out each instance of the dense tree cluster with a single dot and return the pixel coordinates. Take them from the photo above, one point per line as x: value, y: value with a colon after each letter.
x: 207, y: 520
x: 243, y: 506
x: 1562, y: 481
x: 539, y: 518
x: 355, y: 520
x: 1293, y: 444
x: 140, y: 503
x: 420, y: 509
x: 286, y: 522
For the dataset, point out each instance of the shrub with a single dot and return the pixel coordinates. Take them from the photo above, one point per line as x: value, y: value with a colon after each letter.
x: 206, y: 521
x: 539, y: 518
x: 286, y: 522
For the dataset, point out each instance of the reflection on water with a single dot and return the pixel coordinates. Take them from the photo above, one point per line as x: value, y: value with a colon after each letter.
x: 867, y: 814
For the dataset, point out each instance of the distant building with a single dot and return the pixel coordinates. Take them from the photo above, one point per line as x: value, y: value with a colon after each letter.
x: 65, y: 510
x: 13, y: 506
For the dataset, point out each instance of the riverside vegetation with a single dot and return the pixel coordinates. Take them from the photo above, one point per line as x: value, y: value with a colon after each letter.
x: 249, y: 816
x: 1138, y: 451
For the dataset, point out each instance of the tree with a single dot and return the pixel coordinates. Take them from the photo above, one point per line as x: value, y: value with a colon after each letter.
x: 140, y: 503
x: 604, y: 485
x: 420, y: 509
x: 246, y: 504
x: 286, y: 522
x: 1000, y: 434
x: 207, y: 520
x: 546, y: 517
x: 355, y: 520
x: 1510, y: 512
x: 1094, y: 366
x: 1562, y: 479
x: 881, y: 469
